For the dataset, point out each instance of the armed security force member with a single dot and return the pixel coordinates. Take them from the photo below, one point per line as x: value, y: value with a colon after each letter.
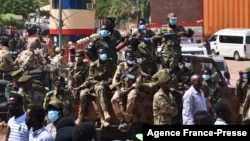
x: 127, y: 80
x: 171, y: 49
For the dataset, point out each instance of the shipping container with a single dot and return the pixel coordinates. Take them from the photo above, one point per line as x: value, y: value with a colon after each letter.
x: 219, y: 14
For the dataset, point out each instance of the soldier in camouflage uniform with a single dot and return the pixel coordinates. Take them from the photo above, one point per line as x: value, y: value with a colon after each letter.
x: 164, y: 106
x: 26, y: 90
x: 171, y: 33
x: 115, y: 35
x: 59, y: 65
x: 28, y: 59
x: 146, y: 49
x: 6, y: 61
x: 61, y: 94
x: 244, y: 111
x: 243, y: 84
x: 78, y: 71
x: 100, y: 77
x: 16, y: 43
x: 213, y: 85
x: 103, y: 40
x: 127, y: 80
x: 14, y: 86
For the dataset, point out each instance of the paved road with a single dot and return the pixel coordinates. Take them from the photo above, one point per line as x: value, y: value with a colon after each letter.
x: 235, y: 67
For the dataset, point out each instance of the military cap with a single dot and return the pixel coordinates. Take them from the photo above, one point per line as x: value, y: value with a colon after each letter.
x: 24, y: 78
x: 59, y: 78
x: 16, y: 72
x: 163, y: 77
x: 172, y: 15
x: 55, y: 103
x: 79, y: 53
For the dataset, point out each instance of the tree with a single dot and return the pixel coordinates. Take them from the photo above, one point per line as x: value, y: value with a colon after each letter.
x: 102, y: 8
x: 19, y: 7
x: 123, y: 9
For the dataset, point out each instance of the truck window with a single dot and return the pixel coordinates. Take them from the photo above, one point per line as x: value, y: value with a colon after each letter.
x: 231, y: 39
x: 248, y: 40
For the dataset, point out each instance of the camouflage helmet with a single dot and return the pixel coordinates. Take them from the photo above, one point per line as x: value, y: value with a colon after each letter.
x: 172, y: 15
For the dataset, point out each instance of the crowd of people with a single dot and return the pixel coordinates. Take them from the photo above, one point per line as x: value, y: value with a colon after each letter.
x: 44, y: 107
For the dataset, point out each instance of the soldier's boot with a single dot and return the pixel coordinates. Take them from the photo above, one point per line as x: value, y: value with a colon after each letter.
x: 80, y: 114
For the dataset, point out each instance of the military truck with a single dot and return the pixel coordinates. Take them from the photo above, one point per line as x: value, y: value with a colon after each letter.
x: 143, y: 113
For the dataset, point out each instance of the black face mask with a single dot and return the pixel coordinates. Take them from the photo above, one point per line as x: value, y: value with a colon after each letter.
x: 12, y: 110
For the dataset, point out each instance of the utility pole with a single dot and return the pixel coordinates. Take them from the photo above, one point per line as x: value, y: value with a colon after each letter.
x: 60, y: 24
x: 137, y: 10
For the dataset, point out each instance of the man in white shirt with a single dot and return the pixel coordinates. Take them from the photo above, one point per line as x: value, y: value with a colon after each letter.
x: 18, y: 128
x: 193, y: 100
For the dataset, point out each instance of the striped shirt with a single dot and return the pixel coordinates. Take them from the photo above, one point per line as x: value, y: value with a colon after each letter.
x: 40, y: 135
x: 18, y: 129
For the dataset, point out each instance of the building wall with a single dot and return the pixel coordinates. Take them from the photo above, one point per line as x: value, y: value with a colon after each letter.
x: 219, y: 14
x: 186, y: 10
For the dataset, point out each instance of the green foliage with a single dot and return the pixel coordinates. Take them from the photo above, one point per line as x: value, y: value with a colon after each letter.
x: 19, y: 7
x: 102, y: 8
x: 9, y: 19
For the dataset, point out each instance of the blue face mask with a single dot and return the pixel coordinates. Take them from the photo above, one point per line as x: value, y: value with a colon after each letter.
x: 147, y: 39
x: 245, y: 75
x: 206, y: 76
x: 103, y: 57
x: 53, y: 115
x: 142, y: 27
x: 172, y: 21
x: 187, y: 65
x: 104, y: 33
x: 130, y: 62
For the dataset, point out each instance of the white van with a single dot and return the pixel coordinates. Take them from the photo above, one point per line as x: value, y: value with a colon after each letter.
x: 231, y: 42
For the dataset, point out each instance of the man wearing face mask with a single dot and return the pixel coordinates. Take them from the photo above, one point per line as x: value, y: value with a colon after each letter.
x: 145, y: 47
x: 243, y: 84
x: 17, y: 121
x: 214, y: 87
x: 54, y: 113
x: 61, y: 94
x: 103, y: 40
x: 127, y: 80
x: 100, y: 77
x: 171, y: 34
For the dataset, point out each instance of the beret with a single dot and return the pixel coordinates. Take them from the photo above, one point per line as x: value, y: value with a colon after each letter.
x: 24, y: 78
x: 16, y: 72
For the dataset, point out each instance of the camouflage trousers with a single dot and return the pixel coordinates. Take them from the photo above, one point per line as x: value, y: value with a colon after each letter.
x: 128, y: 113
x: 100, y: 94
